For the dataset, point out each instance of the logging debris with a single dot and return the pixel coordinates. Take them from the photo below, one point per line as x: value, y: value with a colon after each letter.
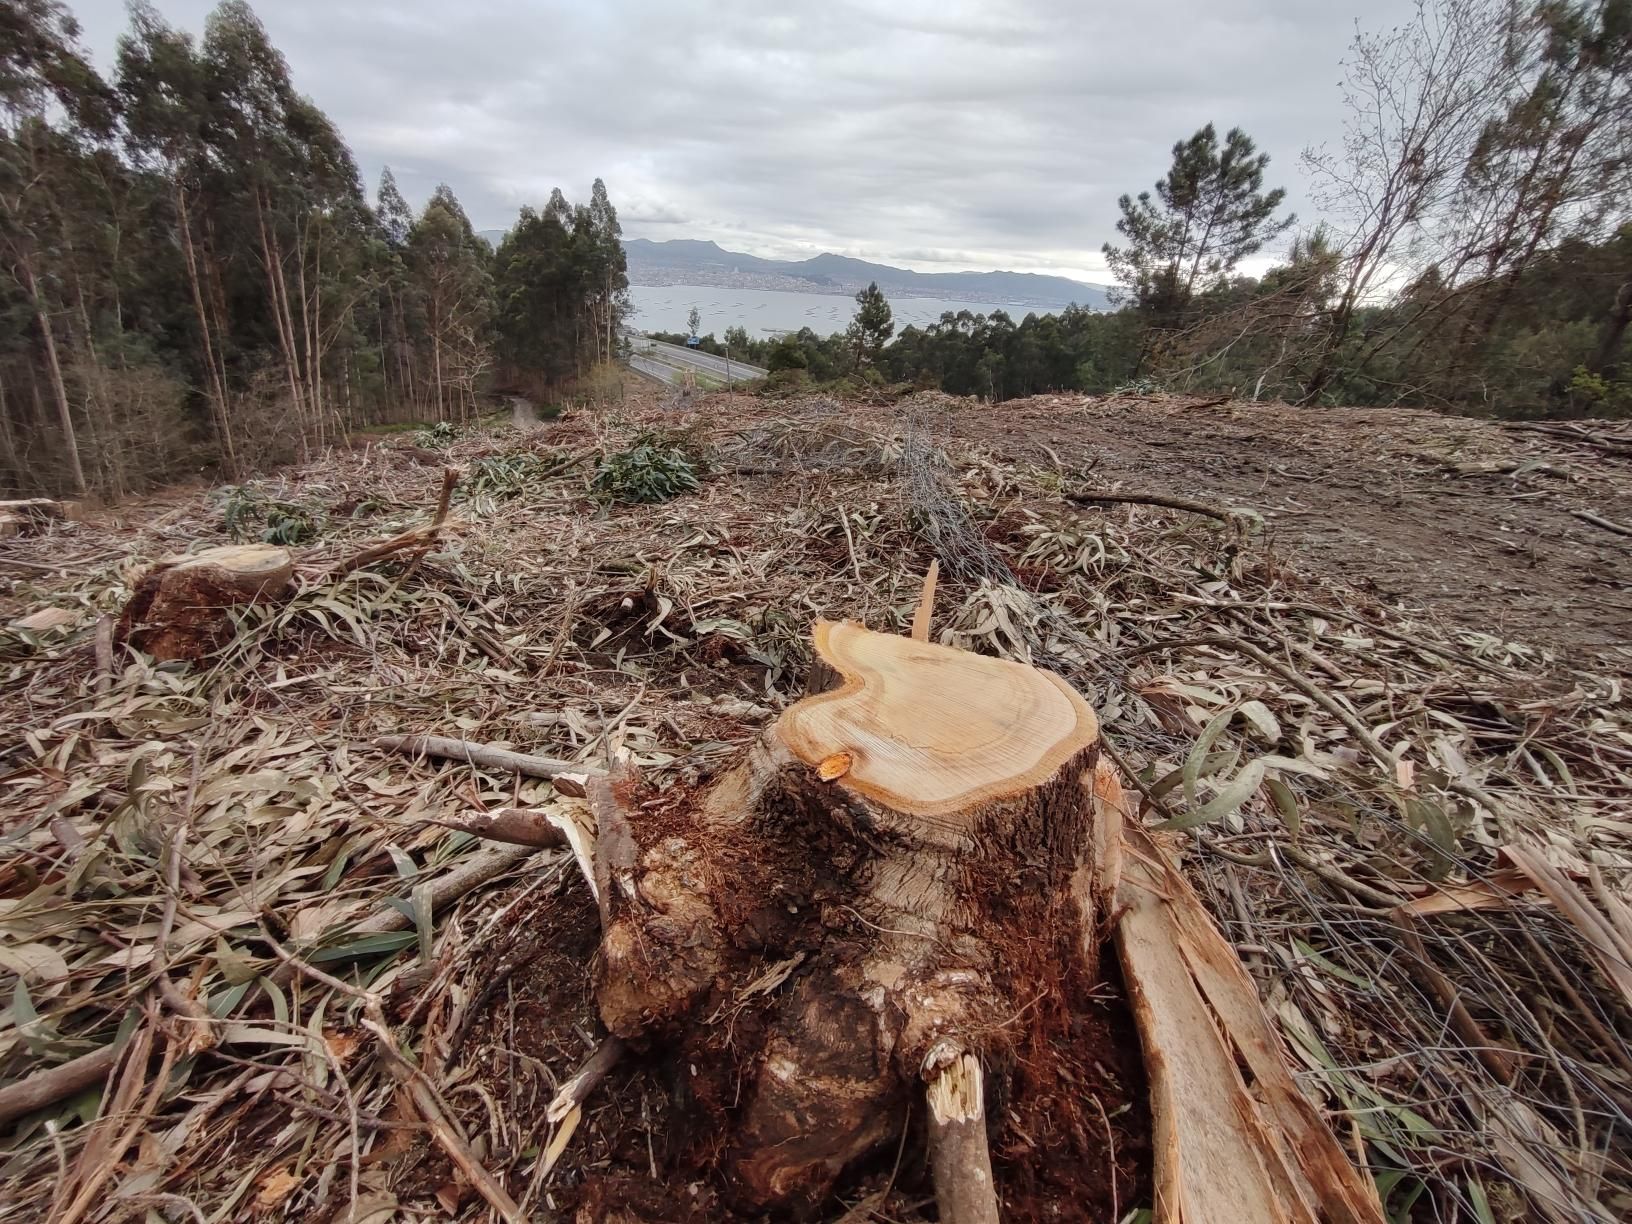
x: 317, y: 871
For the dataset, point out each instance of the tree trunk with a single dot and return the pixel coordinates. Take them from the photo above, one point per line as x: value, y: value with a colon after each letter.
x: 278, y: 297
x: 59, y: 390
x: 181, y: 608
x: 218, y: 395
x: 912, y: 841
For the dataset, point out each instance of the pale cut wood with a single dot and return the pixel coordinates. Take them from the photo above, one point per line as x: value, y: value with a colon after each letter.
x: 40, y: 509
x: 925, y: 612
x: 1224, y: 1153
x: 930, y: 730
x: 46, y: 619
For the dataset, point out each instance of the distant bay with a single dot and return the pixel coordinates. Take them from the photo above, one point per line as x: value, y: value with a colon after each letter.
x: 765, y: 312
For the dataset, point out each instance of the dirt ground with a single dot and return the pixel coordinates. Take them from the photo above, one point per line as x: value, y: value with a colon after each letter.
x: 1375, y: 499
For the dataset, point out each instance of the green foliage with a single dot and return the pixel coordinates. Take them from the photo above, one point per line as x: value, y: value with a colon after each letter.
x: 1598, y: 395
x: 443, y: 433
x: 503, y: 476
x: 1209, y: 213
x: 653, y: 469
x: 562, y: 288
x: 247, y: 514
x: 787, y: 354
x: 287, y: 524
x: 872, y: 327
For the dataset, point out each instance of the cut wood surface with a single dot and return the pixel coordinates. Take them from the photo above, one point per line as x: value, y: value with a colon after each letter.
x: 1228, y: 1149
x: 181, y: 608
x: 933, y: 807
x: 46, y: 619
x: 930, y: 730
x: 38, y: 510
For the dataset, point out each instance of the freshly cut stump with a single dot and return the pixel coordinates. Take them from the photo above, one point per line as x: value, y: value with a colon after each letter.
x: 181, y: 608
x: 871, y: 884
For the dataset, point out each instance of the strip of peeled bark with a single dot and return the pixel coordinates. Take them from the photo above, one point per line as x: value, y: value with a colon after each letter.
x: 915, y: 835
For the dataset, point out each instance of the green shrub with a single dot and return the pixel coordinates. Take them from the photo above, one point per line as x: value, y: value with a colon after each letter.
x: 1598, y: 395
x: 440, y: 434
x: 653, y: 469
x: 248, y: 514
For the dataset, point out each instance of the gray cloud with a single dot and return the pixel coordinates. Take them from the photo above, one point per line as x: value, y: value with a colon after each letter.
x: 941, y: 133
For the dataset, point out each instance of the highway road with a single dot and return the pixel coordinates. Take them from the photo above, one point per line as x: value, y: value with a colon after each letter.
x: 655, y: 369
x: 676, y: 355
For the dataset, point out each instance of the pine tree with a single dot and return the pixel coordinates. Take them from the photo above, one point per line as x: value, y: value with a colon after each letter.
x: 872, y: 326
x: 1208, y: 214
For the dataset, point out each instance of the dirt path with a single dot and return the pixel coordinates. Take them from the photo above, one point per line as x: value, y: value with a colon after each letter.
x: 1375, y: 498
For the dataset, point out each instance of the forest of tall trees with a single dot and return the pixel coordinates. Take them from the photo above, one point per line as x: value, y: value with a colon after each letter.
x: 192, y: 276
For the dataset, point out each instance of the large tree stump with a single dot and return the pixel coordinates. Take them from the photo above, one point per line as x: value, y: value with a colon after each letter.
x: 181, y: 608
x: 905, y: 849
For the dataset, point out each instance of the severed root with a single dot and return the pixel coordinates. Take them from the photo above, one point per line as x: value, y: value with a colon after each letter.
x: 586, y: 1079
x: 958, y: 1154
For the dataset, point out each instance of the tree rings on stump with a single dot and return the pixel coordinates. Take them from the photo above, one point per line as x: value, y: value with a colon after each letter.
x: 905, y: 852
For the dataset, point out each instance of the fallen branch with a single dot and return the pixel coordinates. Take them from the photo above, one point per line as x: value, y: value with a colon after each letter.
x: 1096, y: 496
x: 475, y: 871
x: 47, y: 1087
x: 488, y: 756
x: 1597, y: 520
x: 408, y: 539
x: 1498, y: 1059
x: 428, y: 1104
x: 586, y: 1079
x: 515, y: 826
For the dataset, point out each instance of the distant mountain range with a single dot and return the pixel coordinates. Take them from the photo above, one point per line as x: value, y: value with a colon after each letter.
x: 687, y: 261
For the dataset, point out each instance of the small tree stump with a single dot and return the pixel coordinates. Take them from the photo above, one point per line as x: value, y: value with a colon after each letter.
x: 911, y: 844
x: 181, y: 608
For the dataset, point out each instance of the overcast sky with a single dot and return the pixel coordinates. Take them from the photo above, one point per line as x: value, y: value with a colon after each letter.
x: 938, y: 134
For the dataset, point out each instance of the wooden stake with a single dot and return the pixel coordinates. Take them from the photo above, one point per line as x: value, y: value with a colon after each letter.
x: 926, y: 604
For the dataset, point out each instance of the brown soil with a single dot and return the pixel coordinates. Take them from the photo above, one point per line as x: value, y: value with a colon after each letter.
x: 1372, y: 498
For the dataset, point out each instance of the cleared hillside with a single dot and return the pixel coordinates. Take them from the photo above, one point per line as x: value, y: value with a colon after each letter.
x: 1365, y: 673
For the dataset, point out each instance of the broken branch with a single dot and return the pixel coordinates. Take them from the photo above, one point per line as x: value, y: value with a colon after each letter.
x: 488, y: 756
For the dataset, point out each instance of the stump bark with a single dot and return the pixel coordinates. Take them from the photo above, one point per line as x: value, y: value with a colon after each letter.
x: 181, y: 608
x: 892, y: 857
